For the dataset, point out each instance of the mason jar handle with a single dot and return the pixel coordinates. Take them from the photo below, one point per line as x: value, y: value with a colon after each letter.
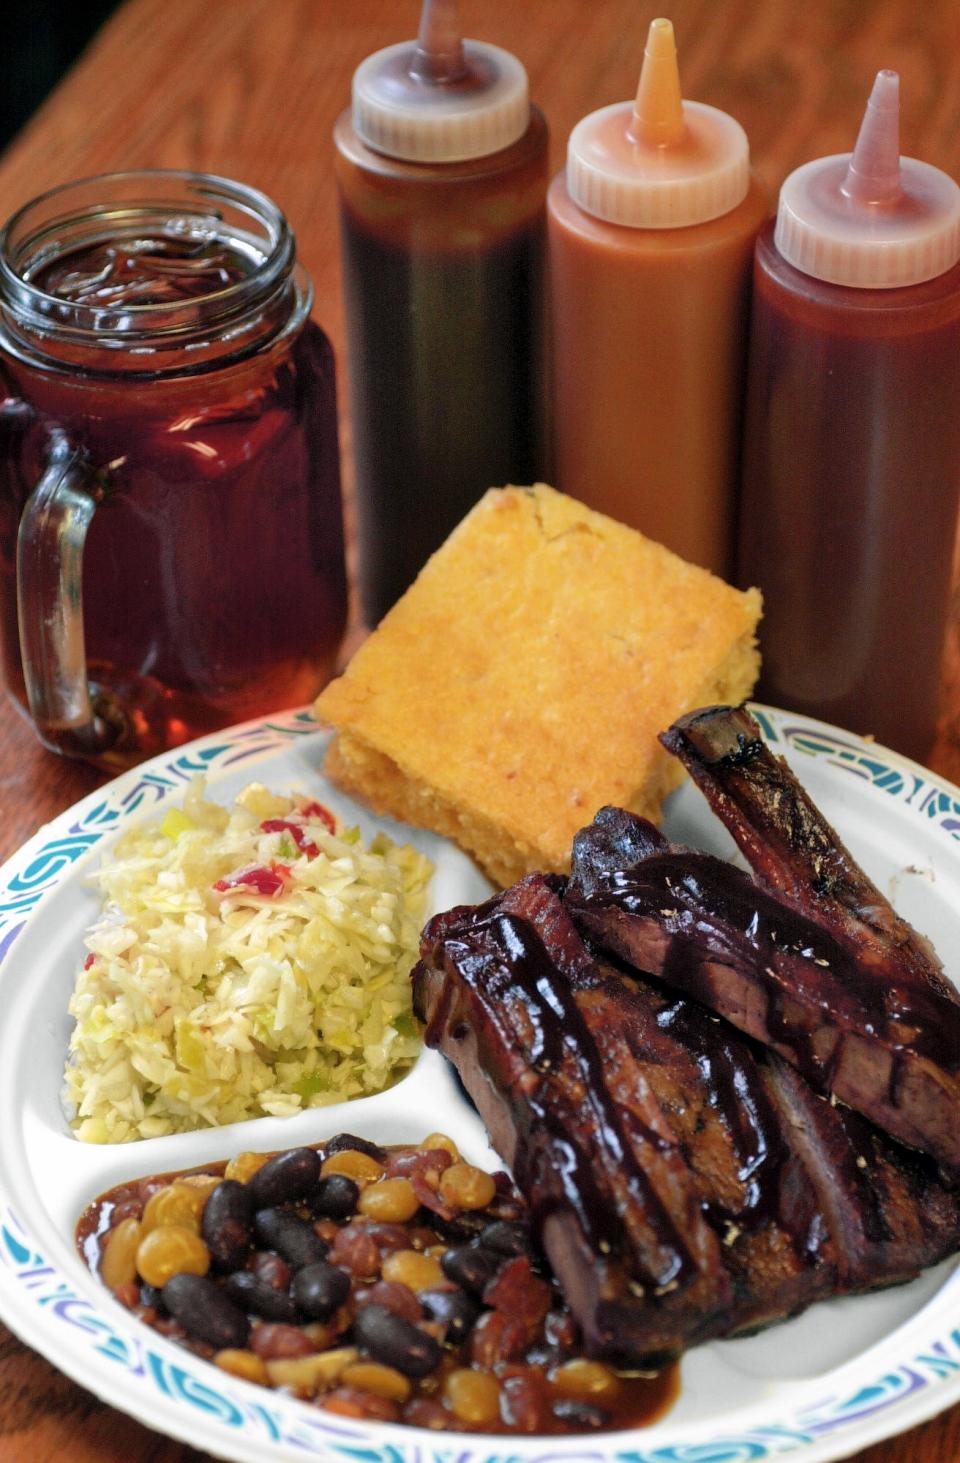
x: 53, y: 529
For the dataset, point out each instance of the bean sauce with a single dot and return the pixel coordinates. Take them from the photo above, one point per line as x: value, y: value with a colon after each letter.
x: 370, y: 1281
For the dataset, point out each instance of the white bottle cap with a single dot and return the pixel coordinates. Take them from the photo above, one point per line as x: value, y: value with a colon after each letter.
x: 658, y: 162
x: 440, y: 99
x: 871, y: 219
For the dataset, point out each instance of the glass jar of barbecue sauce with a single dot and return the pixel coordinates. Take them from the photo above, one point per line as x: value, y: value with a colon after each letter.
x: 171, y: 538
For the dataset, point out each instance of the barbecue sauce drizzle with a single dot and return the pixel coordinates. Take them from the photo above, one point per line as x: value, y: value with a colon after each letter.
x: 735, y: 1086
x: 736, y: 1089
x: 727, y: 918
x: 512, y: 963
x: 736, y: 1092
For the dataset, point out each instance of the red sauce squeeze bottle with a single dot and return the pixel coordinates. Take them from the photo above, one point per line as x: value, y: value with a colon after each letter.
x: 441, y: 168
x: 650, y: 234
x: 852, y: 445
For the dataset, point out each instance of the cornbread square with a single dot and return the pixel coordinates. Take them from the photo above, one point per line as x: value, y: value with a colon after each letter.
x: 520, y: 683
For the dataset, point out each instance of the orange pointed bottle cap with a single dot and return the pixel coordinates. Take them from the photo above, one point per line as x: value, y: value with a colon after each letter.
x: 440, y: 99
x: 658, y: 162
x: 657, y: 119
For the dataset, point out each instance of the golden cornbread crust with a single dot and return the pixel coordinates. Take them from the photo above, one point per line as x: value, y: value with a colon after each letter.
x: 520, y: 683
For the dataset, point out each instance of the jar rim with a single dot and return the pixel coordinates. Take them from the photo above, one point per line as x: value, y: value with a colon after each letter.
x: 130, y: 194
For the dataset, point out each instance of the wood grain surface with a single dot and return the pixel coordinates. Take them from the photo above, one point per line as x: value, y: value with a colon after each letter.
x: 251, y: 88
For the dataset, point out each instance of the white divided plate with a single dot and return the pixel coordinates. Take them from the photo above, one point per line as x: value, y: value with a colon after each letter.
x: 837, y: 1378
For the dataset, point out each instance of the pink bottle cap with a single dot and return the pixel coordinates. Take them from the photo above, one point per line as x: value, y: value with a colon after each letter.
x: 658, y: 162
x: 440, y: 99
x: 870, y: 218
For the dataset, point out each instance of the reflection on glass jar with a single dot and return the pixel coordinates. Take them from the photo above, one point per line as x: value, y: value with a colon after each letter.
x: 170, y: 513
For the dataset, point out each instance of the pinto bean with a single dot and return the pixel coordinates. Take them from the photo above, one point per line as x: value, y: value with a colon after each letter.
x: 355, y: 1248
x: 271, y: 1268
x: 393, y: 1296
x: 272, y: 1342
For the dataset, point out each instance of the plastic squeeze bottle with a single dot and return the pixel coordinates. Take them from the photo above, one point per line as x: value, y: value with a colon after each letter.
x: 441, y: 167
x: 651, y: 233
x: 852, y: 445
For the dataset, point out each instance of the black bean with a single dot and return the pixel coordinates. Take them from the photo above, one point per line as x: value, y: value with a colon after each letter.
x: 319, y: 1289
x: 202, y: 1309
x: 291, y: 1237
x: 454, y: 1309
x: 285, y: 1177
x: 460, y: 1228
x: 151, y: 1295
x: 396, y: 1342
x: 260, y: 1299
x: 582, y: 1416
x: 335, y: 1197
x: 505, y: 1238
x: 360, y: 1145
x: 471, y: 1267
x: 228, y: 1224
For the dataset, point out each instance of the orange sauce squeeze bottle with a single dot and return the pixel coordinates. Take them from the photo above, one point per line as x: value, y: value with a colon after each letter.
x: 852, y: 435
x: 441, y: 168
x: 650, y: 234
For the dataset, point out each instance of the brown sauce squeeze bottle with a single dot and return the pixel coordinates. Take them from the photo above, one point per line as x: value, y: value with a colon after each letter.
x: 852, y: 436
x: 651, y: 233
x: 441, y: 168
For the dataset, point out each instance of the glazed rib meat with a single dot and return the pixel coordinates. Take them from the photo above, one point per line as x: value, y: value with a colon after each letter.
x: 792, y: 848
x: 569, y: 1111
x: 814, y: 961
x: 684, y: 1182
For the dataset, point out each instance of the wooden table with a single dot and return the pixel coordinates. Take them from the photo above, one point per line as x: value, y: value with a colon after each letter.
x: 250, y: 88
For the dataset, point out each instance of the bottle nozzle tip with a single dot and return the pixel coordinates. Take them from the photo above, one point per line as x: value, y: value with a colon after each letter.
x: 874, y: 172
x: 439, y: 52
x: 658, y: 111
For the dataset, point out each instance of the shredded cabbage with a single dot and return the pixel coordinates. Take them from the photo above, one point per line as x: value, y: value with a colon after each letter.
x: 237, y: 971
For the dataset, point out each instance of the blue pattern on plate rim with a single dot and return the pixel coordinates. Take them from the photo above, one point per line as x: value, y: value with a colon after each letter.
x: 321, y: 1434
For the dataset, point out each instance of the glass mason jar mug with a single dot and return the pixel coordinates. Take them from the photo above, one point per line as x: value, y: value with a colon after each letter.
x: 171, y: 539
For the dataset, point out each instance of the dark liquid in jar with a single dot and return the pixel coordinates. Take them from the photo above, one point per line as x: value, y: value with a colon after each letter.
x: 520, y: 1335
x: 213, y: 576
